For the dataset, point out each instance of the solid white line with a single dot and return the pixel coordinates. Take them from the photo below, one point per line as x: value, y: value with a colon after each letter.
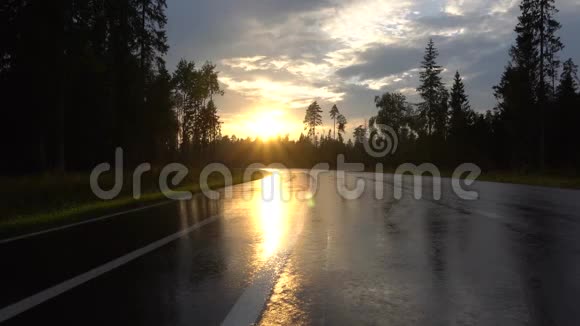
x: 250, y: 305
x: 34, y: 300
x: 91, y: 220
x: 248, y: 309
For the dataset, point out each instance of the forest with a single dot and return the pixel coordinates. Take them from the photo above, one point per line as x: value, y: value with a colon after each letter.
x: 93, y: 78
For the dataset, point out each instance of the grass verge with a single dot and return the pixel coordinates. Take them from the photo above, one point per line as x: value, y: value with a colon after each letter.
x: 35, y: 203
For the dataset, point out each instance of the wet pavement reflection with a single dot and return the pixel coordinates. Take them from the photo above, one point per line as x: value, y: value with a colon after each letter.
x: 512, y: 257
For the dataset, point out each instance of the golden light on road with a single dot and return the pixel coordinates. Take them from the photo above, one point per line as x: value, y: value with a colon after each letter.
x: 272, y: 215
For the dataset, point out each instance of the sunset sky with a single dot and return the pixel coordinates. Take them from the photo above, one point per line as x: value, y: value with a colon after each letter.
x: 275, y: 57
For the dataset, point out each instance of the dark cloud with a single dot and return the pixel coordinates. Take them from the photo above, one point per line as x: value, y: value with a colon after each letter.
x: 444, y: 20
x: 203, y: 30
x: 380, y: 61
x: 476, y: 44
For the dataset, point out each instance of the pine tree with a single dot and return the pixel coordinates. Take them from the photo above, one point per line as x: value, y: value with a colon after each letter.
x: 150, y: 32
x: 567, y: 116
x: 431, y: 86
x: 341, y: 126
x: 549, y: 45
x: 333, y: 114
x: 460, y: 120
x: 441, y: 116
x: 517, y: 92
x: 569, y: 80
x: 523, y: 94
x: 360, y: 134
x: 312, y: 119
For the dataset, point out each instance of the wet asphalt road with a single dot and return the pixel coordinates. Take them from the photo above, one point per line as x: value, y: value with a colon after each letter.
x: 512, y: 257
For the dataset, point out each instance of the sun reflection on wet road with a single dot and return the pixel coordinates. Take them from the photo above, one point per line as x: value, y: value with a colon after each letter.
x: 272, y: 215
x: 509, y: 258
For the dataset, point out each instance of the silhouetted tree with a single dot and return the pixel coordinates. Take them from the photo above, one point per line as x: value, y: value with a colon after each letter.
x: 360, y: 134
x: 549, y: 44
x: 161, y: 123
x: 461, y: 120
x: 312, y: 119
x: 197, y: 115
x: 431, y: 86
x: 341, y: 127
x: 333, y: 115
x: 566, y: 118
x: 517, y: 96
x: 394, y: 110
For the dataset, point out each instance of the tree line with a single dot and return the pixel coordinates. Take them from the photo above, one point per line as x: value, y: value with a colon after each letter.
x: 82, y: 77
x: 532, y: 127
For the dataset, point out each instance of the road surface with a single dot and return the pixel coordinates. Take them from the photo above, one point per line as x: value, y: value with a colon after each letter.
x: 269, y: 256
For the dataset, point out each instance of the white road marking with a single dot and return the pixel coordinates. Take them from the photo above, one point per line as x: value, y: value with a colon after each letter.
x: 91, y: 220
x: 34, y: 300
x: 249, y: 307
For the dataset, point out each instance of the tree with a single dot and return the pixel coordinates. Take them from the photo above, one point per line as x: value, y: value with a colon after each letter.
x: 183, y: 80
x: 333, y: 114
x: 151, y: 33
x: 431, y: 86
x: 206, y: 87
x: 312, y: 119
x: 341, y: 127
x: 441, y: 116
x: 566, y: 118
x: 568, y: 86
x: 517, y: 92
x: 394, y: 110
x: 161, y: 121
x: 360, y: 134
x: 549, y: 45
x: 462, y: 118
x: 523, y: 95
x: 194, y: 90
x: 461, y: 114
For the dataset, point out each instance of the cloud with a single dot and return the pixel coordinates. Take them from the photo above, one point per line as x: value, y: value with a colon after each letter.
x: 284, y: 54
x: 383, y: 60
x: 284, y: 93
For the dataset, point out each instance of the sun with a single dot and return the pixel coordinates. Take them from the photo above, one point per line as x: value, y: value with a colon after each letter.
x: 267, y: 124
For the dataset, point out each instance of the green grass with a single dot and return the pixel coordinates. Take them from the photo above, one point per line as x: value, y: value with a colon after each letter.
x: 34, y: 203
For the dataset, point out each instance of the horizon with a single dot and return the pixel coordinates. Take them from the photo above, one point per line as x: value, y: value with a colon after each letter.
x: 396, y: 198
x: 279, y: 57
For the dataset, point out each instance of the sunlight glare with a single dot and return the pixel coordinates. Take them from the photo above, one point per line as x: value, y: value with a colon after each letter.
x: 272, y: 215
x: 267, y: 124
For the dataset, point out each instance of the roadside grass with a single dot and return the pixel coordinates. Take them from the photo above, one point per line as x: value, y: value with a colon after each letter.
x: 34, y: 203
